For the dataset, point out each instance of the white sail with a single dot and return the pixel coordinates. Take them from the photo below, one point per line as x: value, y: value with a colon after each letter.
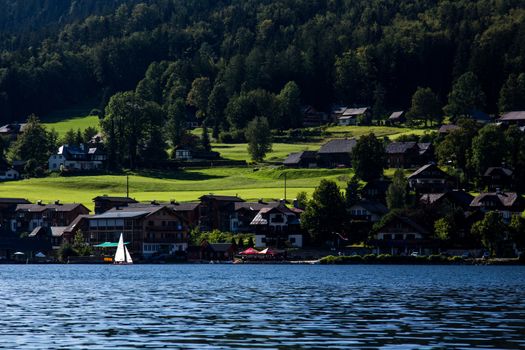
x: 128, y: 256
x: 120, y: 255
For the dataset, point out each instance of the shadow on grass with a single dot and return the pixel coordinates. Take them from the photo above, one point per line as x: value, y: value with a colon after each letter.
x: 176, y: 175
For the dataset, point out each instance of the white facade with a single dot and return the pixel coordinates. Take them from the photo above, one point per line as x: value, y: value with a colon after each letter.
x: 183, y: 154
x: 58, y: 162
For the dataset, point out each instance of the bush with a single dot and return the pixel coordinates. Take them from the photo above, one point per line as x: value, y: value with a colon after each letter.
x: 233, y: 136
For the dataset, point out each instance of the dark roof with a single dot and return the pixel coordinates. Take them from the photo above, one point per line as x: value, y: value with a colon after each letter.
x: 255, y: 206
x: 445, y: 129
x: 457, y: 196
x: 409, y: 222
x: 66, y: 207
x: 14, y: 201
x: 396, y: 115
x: 295, y: 158
x: 220, y: 247
x: 350, y: 112
x: 505, y: 171
x: 189, y: 206
x: 338, y: 146
x: 75, y: 223
x: 506, y: 199
x: 421, y: 172
x: 222, y: 198
x: 400, y: 147
x: 514, y: 115
x: 114, y: 199
x: 373, y: 207
x: 183, y: 206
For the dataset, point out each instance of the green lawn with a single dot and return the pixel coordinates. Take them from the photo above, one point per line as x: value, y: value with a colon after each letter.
x: 188, y: 185
x: 379, y: 131
x: 239, y: 151
x: 63, y: 125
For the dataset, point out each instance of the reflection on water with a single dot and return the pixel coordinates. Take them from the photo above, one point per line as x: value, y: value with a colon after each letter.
x: 262, y: 306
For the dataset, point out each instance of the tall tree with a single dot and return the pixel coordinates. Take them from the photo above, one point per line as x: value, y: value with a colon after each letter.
x: 175, y: 126
x: 512, y: 94
x: 216, y: 106
x: 205, y: 138
x: 322, y: 216
x: 466, y: 96
x: 35, y: 143
x: 397, y: 193
x: 491, y: 231
x: 368, y: 157
x: 259, y: 138
x: 199, y: 94
x: 289, y: 100
x: 425, y: 106
x: 488, y: 149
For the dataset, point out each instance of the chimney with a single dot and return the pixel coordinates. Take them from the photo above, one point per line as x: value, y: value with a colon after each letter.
x: 57, y: 202
x: 39, y: 202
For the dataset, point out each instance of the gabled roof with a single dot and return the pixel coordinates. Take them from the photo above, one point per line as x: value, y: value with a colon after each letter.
x: 491, y: 170
x: 396, y: 115
x: 14, y: 201
x: 75, y: 223
x: 409, y: 222
x: 260, y: 218
x: 338, y: 146
x: 114, y: 199
x: 424, y: 147
x: 222, y: 198
x: 447, y: 128
x: 422, y: 173
x: 129, y: 212
x: 512, y: 116
x: 505, y: 199
x: 255, y: 206
x: 295, y: 158
x: 373, y: 207
x: 351, y: 112
x: 36, y: 208
x: 400, y: 147
x: 12, y: 128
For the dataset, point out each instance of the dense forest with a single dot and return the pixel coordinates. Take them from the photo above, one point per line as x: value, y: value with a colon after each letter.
x: 357, y: 52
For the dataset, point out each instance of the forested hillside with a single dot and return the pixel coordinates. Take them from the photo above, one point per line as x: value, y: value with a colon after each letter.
x: 358, y: 52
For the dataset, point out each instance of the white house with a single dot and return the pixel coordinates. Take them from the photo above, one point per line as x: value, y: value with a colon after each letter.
x: 183, y: 154
x: 276, y: 227
x: 77, y: 158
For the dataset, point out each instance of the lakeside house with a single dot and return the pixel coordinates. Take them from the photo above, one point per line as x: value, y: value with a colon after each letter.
x: 401, y: 236
x: 215, y: 211
x: 29, y: 216
x: 277, y: 227
x: 369, y: 211
x: 149, y: 230
x: 77, y: 158
x: 509, y: 204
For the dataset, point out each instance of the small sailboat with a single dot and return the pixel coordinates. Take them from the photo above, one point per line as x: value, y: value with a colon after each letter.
x: 122, y: 256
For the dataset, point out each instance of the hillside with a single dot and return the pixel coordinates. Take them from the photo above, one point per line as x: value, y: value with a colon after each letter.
x: 59, y: 53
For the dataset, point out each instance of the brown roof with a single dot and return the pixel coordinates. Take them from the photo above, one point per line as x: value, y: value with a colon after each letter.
x: 396, y: 115
x: 505, y: 199
x: 222, y: 198
x: 75, y: 223
x: 36, y: 208
x: 445, y: 129
x: 295, y: 158
x: 338, y: 146
x: 400, y: 147
x: 505, y: 171
x: 420, y: 173
x: 114, y: 199
x: 514, y: 115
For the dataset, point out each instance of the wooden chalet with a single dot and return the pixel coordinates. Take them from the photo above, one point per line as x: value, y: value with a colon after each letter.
x: 429, y: 179
x: 514, y: 117
x: 337, y: 153
x: 507, y: 203
x: 498, y: 178
x: 105, y: 203
x: 277, y: 227
x: 303, y: 159
x: 402, y: 154
x: 215, y: 211
x: 397, y: 118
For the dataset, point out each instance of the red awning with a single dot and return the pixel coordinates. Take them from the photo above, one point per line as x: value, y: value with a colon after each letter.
x: 249, y: 251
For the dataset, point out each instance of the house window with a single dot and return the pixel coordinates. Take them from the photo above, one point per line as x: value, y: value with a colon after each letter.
x: 292, y: 240
x: 263, y: 239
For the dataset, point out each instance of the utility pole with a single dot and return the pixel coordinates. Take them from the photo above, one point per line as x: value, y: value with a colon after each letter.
x: 127, y: 186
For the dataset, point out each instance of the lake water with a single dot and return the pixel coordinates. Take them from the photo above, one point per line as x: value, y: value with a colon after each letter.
x: 261, y: 306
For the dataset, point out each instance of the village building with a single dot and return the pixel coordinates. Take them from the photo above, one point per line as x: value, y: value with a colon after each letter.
x: 454, y: 199
x: 429, y: 179
x: 105, y: 203
x: 402, y: 236
x: 397, y: 118
x: 7, y: 211
x: 447, y: 129
x: 7, y: 173
x: 402, y: 154
x: 497, y: 178
x: 514, y: 117
x: 30, y: 216
x: 216, y: 211
x: 368, y: 211
x: 149, y: 230
x: 54, y: 234
x: 336, y: 153
x: 375, y: 190
x: 77, y: 158
x: 509, y: 204
x: 426, y: 153
x: 212, y: 252
x: 313, y: 117
x: 354, y: 116
x: 12, y: 130
x: 245, y: 212
x: 183, y: 154
x: 303, y: 159
x: 277, y: 227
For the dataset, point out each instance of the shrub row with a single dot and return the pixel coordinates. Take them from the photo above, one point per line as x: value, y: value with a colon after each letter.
x: 390, y: 259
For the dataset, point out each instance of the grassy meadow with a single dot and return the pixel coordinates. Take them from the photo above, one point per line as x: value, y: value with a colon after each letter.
x: 185, y: 185
x: 63, y: 125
